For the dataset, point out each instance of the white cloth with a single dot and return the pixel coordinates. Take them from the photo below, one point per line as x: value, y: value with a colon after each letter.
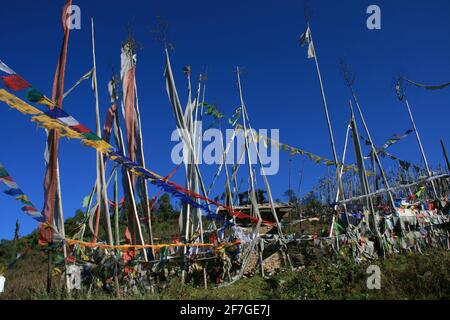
x: 127, y: 61
x: 5, y: 68
x: 2, y: 283
x: 74, y: 277
x: 306, y: 38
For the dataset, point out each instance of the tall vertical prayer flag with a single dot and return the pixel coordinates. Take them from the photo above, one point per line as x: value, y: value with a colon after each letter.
x: 52, y: 192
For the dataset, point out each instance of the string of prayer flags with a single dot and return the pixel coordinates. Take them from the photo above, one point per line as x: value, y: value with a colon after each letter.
x: 15, y: 82
x: 396, y: 137
x: 12, y: 80
x: 389, y: 142
x: 69, y: 127
x: 382, y: 151
x: 18, y: 104
x: 34, y: 95
x: 428, y: 87
x: 14, y: 190
x: 296, y: 151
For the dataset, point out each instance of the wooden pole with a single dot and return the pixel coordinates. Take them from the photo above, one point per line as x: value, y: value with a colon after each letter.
x: 49, y: 270
x: 330, y: 130
x: 102, y: 197
x: 144, y: 181
x: 365, y: 188
x: 325, y: 107
x: 445, y: 155
x: 253, y: 200
x: 269, y: 195
x: 421, y: 147
x: 369, y: 137
x: 400, y: 187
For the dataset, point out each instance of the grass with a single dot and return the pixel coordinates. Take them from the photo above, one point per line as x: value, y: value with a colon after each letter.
x: 409, y: 276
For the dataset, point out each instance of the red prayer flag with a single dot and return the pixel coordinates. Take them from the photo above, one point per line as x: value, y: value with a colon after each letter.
x: 15, y: 82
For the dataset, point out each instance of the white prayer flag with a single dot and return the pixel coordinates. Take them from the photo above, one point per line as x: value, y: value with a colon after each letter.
x: 5, y: 68
x: 305, y: 38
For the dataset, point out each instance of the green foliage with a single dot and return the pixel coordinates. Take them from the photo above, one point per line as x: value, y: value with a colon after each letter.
x: 260, y: 197
x: 410, y: 276
x: 164, y: 209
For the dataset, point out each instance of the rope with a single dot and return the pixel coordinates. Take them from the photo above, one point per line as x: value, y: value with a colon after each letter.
x: 148, y: 246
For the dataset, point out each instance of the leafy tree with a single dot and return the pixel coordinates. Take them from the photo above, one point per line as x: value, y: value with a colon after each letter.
x: 261, y: 196
x: 243, y: 198
x: 164, y: 208
x: 291, y: 197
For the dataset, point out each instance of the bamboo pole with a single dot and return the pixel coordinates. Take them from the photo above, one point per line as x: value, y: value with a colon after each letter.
x: 49, y: 270
x: 197, y: 151
x: 390, y: 189
x: 142, y: 160
x: 419, y: 141
x: 253, y: 201
x: 375, y: 153
x: 61, y: 226
x: 330, y: 129
x: 268, y: 189
x: 102, y: 197
x: 325, y: 107
x: 365, y: 188
x: 445, y: 155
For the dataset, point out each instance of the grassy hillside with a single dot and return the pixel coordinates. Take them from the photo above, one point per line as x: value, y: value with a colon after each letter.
x: 410, y: 276
x: 407, y: 276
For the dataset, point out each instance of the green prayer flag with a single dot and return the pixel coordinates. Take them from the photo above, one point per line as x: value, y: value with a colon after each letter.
x: 3, y: 172
x: 91, y: 136
x: 34, y: 95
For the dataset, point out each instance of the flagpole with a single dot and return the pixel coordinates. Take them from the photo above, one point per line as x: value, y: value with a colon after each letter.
x: 325, y: 107
x: 421, y: 147
x: 363, y: 173
x: 330, y: 129
x: 255, y: 211
x: 341, y: 171
x: 375, y: 153
x: 52, y: 188
x: 197, y: 154
x: 142, y: 159
x: 269, y: 194
x: 445, y: 155
x: 102, y: 195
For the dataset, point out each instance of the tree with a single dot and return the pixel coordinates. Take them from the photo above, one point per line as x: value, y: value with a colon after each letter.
x: 243, y: 198
x: 291, y: 197
x: 164, y: 208
x: 260, y: 196
x: 16, y: 231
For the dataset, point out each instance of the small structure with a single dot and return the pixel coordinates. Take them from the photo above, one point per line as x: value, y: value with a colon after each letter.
x: 265, y: 210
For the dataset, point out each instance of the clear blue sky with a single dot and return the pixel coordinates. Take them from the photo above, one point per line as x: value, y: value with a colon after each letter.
x: 280, y: 85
